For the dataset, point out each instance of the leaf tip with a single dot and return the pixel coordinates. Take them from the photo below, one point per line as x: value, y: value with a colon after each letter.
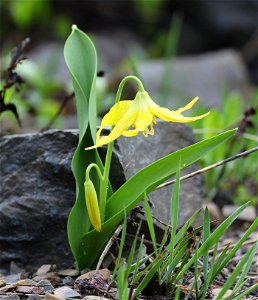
x: 74, y: 27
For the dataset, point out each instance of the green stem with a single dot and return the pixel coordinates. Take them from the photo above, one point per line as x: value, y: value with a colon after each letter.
x: 122, y: 83
x: 87, y: 172
x: 104, y: 182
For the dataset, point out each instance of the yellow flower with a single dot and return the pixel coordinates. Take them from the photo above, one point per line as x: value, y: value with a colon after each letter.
x: 92, y: 204
x: 131, y: 117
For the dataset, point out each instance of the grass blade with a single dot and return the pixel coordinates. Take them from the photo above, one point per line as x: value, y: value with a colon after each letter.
x: 174, y: 212
x: 206, y: 234
x: 150, y: 223
x: 245, y: 269
x: 252, y: 228
x: 235, y: 273
x: 246, y: 292
x: 213, y: 238
x: 155, y: 265
x: 121, y: 247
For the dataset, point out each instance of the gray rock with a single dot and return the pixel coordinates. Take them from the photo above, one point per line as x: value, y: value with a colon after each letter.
x: 38, y: 189
x: 201, y: 75
x: 136, y: 153
x: 37, y: 193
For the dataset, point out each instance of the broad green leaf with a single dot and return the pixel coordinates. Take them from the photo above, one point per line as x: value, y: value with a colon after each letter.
x: 81, y: 59
x: 130, y: 194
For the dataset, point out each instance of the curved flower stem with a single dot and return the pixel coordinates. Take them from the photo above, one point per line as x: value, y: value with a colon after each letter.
x: 87, y: 172
x: 122, y: 83
x: 104, y: 182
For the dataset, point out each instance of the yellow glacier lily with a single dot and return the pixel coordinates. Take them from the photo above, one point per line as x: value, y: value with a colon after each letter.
x: 129, y: 117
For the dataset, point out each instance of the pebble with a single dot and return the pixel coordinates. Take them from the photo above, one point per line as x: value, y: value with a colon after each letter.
x: 52, y: 297
x: 214, y: 211
x: 66, y: 292
x: 247, y: 215
x: 216, y: 291
x: 68, y: 280
x: 105, y: 273
x: 46, y: 284
x: 26, y: 282
x: 10, y: 297
x: 51, y: 276
x: 94, y: 298
x: 2, y: 283
x: 34, y: 297
x: 45, y: 269
x: 69, y: 272
x: 29, y: 289
x: 12, y: 278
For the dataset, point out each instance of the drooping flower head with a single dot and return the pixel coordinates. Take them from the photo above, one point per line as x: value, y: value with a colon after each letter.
x: 92, y: 204
x: 129, y: 117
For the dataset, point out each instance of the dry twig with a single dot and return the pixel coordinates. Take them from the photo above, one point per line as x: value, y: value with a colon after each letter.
x: 222, y: 162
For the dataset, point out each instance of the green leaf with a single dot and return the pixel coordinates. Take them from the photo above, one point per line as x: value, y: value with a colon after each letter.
x: 154, y: 267
x: 247, y: 259
x: 151, y: 176
x: 150, y: 223
x: 130, y: 194
x: 80, y: 57
x: 220, y: 265
x: 246, y: 292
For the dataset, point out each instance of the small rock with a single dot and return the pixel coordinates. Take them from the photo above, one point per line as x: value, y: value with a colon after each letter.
x: 12, y: 278
x: 192, y: 283
x: 45, y: 269
x: 2, y: 283
x: 216, y: 291
x: 66, y: 292
x: 69, y: 272
x: 29, y: 289
x: 214, y: 211
x: 26, y: 282
x: 34, y: 297
x: 46, y: 284
x: 93, y: 282
x: 94, y: 298
x: 53, y: 297
x: 105, y: 273
x: 68, y: 280
x: 52, y: 277
x: 10, y: 297
x: 247, y: 215
x: 7, y: 288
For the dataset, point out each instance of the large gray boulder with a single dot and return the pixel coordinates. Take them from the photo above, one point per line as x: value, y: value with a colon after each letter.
x: 38, y: 189
x: 203, y: 75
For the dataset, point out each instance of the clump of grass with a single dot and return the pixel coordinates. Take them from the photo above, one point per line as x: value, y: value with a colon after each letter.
x: 183, y: 252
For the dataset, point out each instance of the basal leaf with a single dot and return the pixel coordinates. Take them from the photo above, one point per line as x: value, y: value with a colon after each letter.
x: 81, y: 59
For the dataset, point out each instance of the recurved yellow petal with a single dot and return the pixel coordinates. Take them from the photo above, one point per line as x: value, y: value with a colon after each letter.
x: 170, y: 116
x: 188, y: 106
x: 92, y: 205
x: 114, y: 115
